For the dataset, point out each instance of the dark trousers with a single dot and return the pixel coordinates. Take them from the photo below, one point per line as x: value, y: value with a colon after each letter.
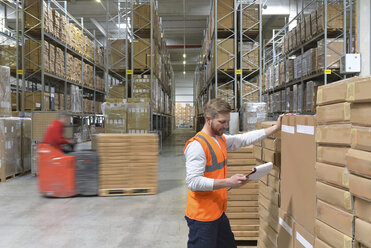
x: 210, y: 234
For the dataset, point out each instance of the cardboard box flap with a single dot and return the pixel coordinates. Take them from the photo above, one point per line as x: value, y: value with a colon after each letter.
x: 359, y: 162
x: 360, y: 186
x: 336, y: 134
x: 335, y: 196
x: 362, y: 232
x: 331, y: 236
x: 362, y: 209
x: 332, y: 155
x: 361, y: 137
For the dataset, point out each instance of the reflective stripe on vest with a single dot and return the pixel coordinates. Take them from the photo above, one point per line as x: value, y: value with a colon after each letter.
x: 215, y: 165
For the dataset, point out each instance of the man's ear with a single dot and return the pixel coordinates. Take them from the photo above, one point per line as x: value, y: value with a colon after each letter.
x: 208, y: 118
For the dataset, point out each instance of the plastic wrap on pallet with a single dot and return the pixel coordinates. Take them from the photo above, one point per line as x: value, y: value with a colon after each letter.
x: 142, y: 87
x: 295, y: 98
x: 253, y: 112
x: 304, y: 64
x: 311, y: 96
x: 10, y: 147
x: 5, y: 93
x: 76, y: 99
x: 297, y: 67
x: 301, y: 97
x: 288, y: 99
x: 282, y: 73
x: 115, y: 117
x: 289, y: 70
x: 276, y: 75
x: 138, y: 117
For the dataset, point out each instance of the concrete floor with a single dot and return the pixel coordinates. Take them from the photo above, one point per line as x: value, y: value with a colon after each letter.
x: 30, y: 220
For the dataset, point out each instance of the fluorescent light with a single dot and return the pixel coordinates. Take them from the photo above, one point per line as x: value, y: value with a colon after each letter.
x: 184, y: 72
x: 184, y: 62
x: 184, y: 55
x: 98, y: 1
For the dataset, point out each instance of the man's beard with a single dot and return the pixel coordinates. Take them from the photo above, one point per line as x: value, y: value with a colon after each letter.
x: 215, y: 131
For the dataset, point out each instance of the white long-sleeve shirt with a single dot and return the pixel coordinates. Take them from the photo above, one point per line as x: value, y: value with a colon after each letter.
x: 196, y: 158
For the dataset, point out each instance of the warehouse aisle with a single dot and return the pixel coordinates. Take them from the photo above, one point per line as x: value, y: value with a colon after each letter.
x: 29, y: 220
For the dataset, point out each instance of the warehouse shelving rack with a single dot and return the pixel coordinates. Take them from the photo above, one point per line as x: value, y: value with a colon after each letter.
x: 238, y: 77
x: 39, y: 77
x: 273, y: 50
x: 142, y: 31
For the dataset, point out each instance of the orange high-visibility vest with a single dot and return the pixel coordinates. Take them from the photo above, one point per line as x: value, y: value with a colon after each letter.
x: 209, y: 205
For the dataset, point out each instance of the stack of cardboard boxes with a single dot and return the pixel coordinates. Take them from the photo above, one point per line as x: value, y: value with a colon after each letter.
x: 253, y: 112
x: 250, y: 55
x: 227, y: 95
x: 8, y: 56
x: 117, y: 54
x: 127, y: 164
x: 5, y: 93
x: 343, y: 171
x: 142, y: 86
x: 184, y: 114
x: 138, y: 116
x: 115, y: 116
x: 117, y: 91
x: 268, y: 150
x: 142, y: 51
x: 242, y: 208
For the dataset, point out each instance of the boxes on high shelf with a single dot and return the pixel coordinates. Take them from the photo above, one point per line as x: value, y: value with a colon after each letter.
x: 225, y: 54
x: 302, y: 28
x: 56, y: 23
x: 10, y: 147
x: 32, y: 55
x: 117, y: 54
x: 33, y: 101
x: 142, y: 87
x: 59, y: 62
x: 308, y: 26
x: 250, y: 55
x: 282, y: 72
x: 250, y: 16
x: 289, y: 66
x: 5, y: 93
x: 252, y: 114
x: 142, y: 50
x: 8, y: 56
x: 335, y: 17
x: 32, y: 16
x: 225, y: 15
x: 335, y: 49
x: 115, y: 114
x: 117, y: 91
x: 142, y: 16
x: 298, y: 66
x: 313, y: 23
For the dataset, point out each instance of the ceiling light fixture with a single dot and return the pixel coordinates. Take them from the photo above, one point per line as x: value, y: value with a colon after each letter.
x: 184, y: 55
x: 184, y: 62
x: 98, y: 1
x: 184, y: 72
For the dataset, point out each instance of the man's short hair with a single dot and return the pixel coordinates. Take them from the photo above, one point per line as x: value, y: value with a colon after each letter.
x: 215, y: 107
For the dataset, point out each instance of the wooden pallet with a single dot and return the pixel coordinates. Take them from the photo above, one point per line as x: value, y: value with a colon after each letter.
x: 127, y: 191
x: 4, y: 179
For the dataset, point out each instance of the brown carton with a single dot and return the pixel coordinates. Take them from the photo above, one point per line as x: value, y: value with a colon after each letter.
x: 272, y: 144
x: 338, y: 112
x: 359, y: 91
x: 320, y: 244
x: 271, y: 156
x: 335, y: 196
x: 334, y: 93
x: 285, y: 231
x: 336, y: 134
x: 331, y: 236
x: 331, y: 174
x: 303, y: 238
x: 362, y: 209
x: 332, y: 155
x: 270, y: 232
x: 335, y: 217
x: 360, y: 186
x: 258, y: 152
x: 298, y: 170
x: 362, y: 232
x: 361, y: 137
x: 360, y: 114
x: 359, y: 162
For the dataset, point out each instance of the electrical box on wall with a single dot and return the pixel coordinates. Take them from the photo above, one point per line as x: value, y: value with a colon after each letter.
x: 350, y: 63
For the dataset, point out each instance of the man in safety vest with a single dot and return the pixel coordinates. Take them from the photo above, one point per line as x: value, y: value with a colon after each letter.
x: 206, y: 162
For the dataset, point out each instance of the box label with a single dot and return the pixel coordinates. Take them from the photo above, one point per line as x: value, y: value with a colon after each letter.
x: 129, y: 72
x: 288, y: 129
x: 239, y: 72
x: 305, y: 129
x: 285, y: 226
x: 303, y: 241
x: 20, y: 72
x: 327, y: 71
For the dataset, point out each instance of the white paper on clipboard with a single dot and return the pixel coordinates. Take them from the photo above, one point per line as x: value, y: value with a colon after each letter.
x: 260, y: 171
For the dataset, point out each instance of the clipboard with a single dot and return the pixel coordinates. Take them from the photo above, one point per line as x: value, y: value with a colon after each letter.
x: 260, y: 171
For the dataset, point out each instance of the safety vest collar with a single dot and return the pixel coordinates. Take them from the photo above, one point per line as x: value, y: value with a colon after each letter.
x: 215, y: 164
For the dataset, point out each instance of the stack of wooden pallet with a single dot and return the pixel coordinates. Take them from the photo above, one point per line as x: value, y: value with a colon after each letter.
x: 128, y: 164
x: 242, y: 208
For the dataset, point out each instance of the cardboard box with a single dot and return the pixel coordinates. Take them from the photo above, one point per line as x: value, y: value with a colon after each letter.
x: 269, y: 231
x: 331, y: 236
x: 258, y: 152
x: 360, y: 114
x: 335, y: 217
x: 361, y: 137
x: 332, y: 155
x: 336, y: 134
x: 358, y: 91
x: 334, y: 93
x: 225, y: 15
x: 362, y: 209
x: 271, y: 156
x: 272, y: 144
x: 360, y: 186
x: 359, y: 162
x: 303, y: 238
x: 320, y: 244
x: 286, y: 231
x: 331, y: 174
x: 298, y: 177
x: 339, y: 112
x: 334, y: 196
x: 269, y: 193
x: 362, y: 232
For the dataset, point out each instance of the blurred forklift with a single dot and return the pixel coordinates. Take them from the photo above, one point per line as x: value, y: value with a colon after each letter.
x: 63, y: 172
